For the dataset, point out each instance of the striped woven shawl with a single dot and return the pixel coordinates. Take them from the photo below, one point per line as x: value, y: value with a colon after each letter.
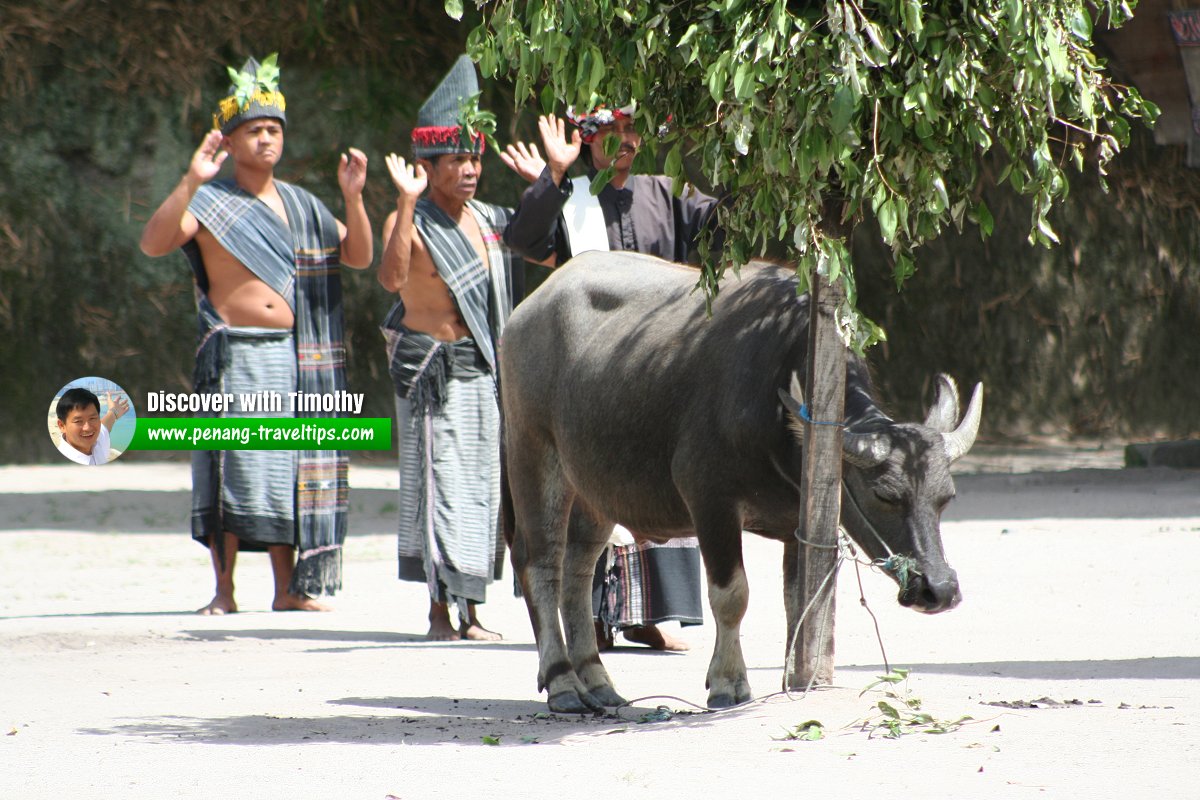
x: 483, y: 293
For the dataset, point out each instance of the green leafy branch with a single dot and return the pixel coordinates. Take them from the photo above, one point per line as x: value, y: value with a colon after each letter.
x: 812, y: 118
x: 810, y: 731
x: 899, y: 712
x: 246, y: 85
x: 475, y: 121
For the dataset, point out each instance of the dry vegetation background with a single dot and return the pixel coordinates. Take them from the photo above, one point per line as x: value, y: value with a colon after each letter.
x: 103, y: 103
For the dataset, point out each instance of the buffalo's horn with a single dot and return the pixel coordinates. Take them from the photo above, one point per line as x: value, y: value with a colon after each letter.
x: 960, y: 441
x: 943, y: 414
x: 865, y: 450
x: 795, y: 415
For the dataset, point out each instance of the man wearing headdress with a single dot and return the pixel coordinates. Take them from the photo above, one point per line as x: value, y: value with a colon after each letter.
x: 456, y: 285
x: 265, y: 256
x: 638, y: 584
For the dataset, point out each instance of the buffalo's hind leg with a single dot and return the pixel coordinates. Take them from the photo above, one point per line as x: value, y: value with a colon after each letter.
x: 541, y: 501
x: 586, y: 540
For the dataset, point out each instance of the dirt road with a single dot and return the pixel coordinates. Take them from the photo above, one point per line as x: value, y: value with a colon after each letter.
x: 1075, y: 654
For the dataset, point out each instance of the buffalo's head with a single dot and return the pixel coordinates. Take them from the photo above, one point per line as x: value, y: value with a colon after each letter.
x: 896, y: 483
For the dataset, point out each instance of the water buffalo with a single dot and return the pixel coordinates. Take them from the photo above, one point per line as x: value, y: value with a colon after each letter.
x: 624, y: 402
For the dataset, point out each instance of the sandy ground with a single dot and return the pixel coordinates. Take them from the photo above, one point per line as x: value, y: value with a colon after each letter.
x: 1076, y: 656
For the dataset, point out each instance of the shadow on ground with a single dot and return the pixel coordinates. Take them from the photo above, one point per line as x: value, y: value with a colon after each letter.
x: 411, y: 721
x: 1109, y: 493
x: 372, y: 511
x: 1170, y: 668
x: 1092, y: 494
x: 371, y: 638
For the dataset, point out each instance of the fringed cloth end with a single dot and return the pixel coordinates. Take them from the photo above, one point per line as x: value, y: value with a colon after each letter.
x: 212, y: 356
x: 420, y: 366
x: 318, y: 572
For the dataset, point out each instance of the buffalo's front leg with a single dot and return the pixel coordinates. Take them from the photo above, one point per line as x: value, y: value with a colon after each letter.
x: 728, y: 595
x: 586, y: 540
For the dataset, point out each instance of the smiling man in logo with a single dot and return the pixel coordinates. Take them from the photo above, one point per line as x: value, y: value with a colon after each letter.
x: 85, y: 433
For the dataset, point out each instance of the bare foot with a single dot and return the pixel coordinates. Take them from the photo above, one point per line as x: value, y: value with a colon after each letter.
x: 477, y: 633
x: 652, y: 637
x: 470, y: 628
x: 440, y: 630
x: 298, y: 602
x: 220, y: 605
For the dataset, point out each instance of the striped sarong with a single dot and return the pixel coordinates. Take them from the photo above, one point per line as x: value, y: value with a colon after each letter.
x: 448, y: 418
x: 450, y: 485
x: 250, y: 493
x: 646, y: 583
x: 300, y: 260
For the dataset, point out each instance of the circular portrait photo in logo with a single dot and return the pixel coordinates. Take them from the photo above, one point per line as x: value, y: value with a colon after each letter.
x: 91, y: 420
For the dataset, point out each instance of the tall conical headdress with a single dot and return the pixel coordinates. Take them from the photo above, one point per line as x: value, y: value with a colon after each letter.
x: 253, y: 94
x: 450, y: 121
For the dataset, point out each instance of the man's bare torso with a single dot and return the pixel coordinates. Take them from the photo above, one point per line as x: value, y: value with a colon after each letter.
x: 428, y: 305
x: 237, y: 294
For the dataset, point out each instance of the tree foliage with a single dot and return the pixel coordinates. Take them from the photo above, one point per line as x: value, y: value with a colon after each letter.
x: 813, y: 115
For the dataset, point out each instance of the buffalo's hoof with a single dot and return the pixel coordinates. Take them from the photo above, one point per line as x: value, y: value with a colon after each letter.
x: 721, y: 701
x: 606, y: 696
x: 571, y: 702
x: 726, y: 700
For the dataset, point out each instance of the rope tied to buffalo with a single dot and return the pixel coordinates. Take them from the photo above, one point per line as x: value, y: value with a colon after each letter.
x: 806, y: 415
x: 902, y: 567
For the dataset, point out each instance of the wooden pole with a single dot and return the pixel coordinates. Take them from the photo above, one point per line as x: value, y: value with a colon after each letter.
x: 821, y: 490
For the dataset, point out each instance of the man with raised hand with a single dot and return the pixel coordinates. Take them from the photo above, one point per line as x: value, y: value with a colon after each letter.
x: 456, y: 285
x: 265, y: 257
x: 638, y: 585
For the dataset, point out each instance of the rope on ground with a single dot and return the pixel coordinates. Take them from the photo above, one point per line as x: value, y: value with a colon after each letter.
x: 700, y: 709
x: 703, y: 709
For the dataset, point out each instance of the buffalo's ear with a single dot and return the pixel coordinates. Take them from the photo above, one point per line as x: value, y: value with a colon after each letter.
x: 795, y: 410
x: 865, y: 450
x: 943, y: 414
x: 792, y: 404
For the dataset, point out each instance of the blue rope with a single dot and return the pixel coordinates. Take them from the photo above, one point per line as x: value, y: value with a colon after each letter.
x: 807, y: 417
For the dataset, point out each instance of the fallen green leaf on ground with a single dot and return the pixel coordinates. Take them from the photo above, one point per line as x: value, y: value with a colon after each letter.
x: 809, y: 731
